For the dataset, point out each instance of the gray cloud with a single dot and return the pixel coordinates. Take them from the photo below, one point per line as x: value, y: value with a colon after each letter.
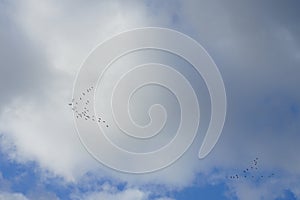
x: 24, y: 68
x: 255, y: 44
x: 256, y: 47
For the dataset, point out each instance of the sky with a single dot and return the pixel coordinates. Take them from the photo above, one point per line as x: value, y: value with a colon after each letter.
x: 256, y: 46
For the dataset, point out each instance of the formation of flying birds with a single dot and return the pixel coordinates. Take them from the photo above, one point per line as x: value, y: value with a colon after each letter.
x: 251, y: 172
x: 81, y: 108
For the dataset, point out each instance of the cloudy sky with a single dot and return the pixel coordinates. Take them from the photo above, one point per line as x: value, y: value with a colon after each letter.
x: 256, y: 46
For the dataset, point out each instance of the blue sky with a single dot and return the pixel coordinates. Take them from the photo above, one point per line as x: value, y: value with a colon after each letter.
x: 256, y: 46
x: 54, y: 187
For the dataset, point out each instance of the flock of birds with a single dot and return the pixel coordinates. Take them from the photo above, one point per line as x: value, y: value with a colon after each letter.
x: 251, y: 172
x: 81, y: 108
x: 83, y: 102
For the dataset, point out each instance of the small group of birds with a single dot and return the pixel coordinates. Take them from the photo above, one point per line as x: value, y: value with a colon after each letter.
x: 251, y: 172
x: 81, y: 108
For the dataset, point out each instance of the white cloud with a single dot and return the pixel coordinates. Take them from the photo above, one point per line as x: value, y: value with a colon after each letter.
x: 20, y: 196
x: 41, y: 129
x: 107, y: 191
x: 276, y: 188
x: 130, y: 194
x: 12, y: 196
